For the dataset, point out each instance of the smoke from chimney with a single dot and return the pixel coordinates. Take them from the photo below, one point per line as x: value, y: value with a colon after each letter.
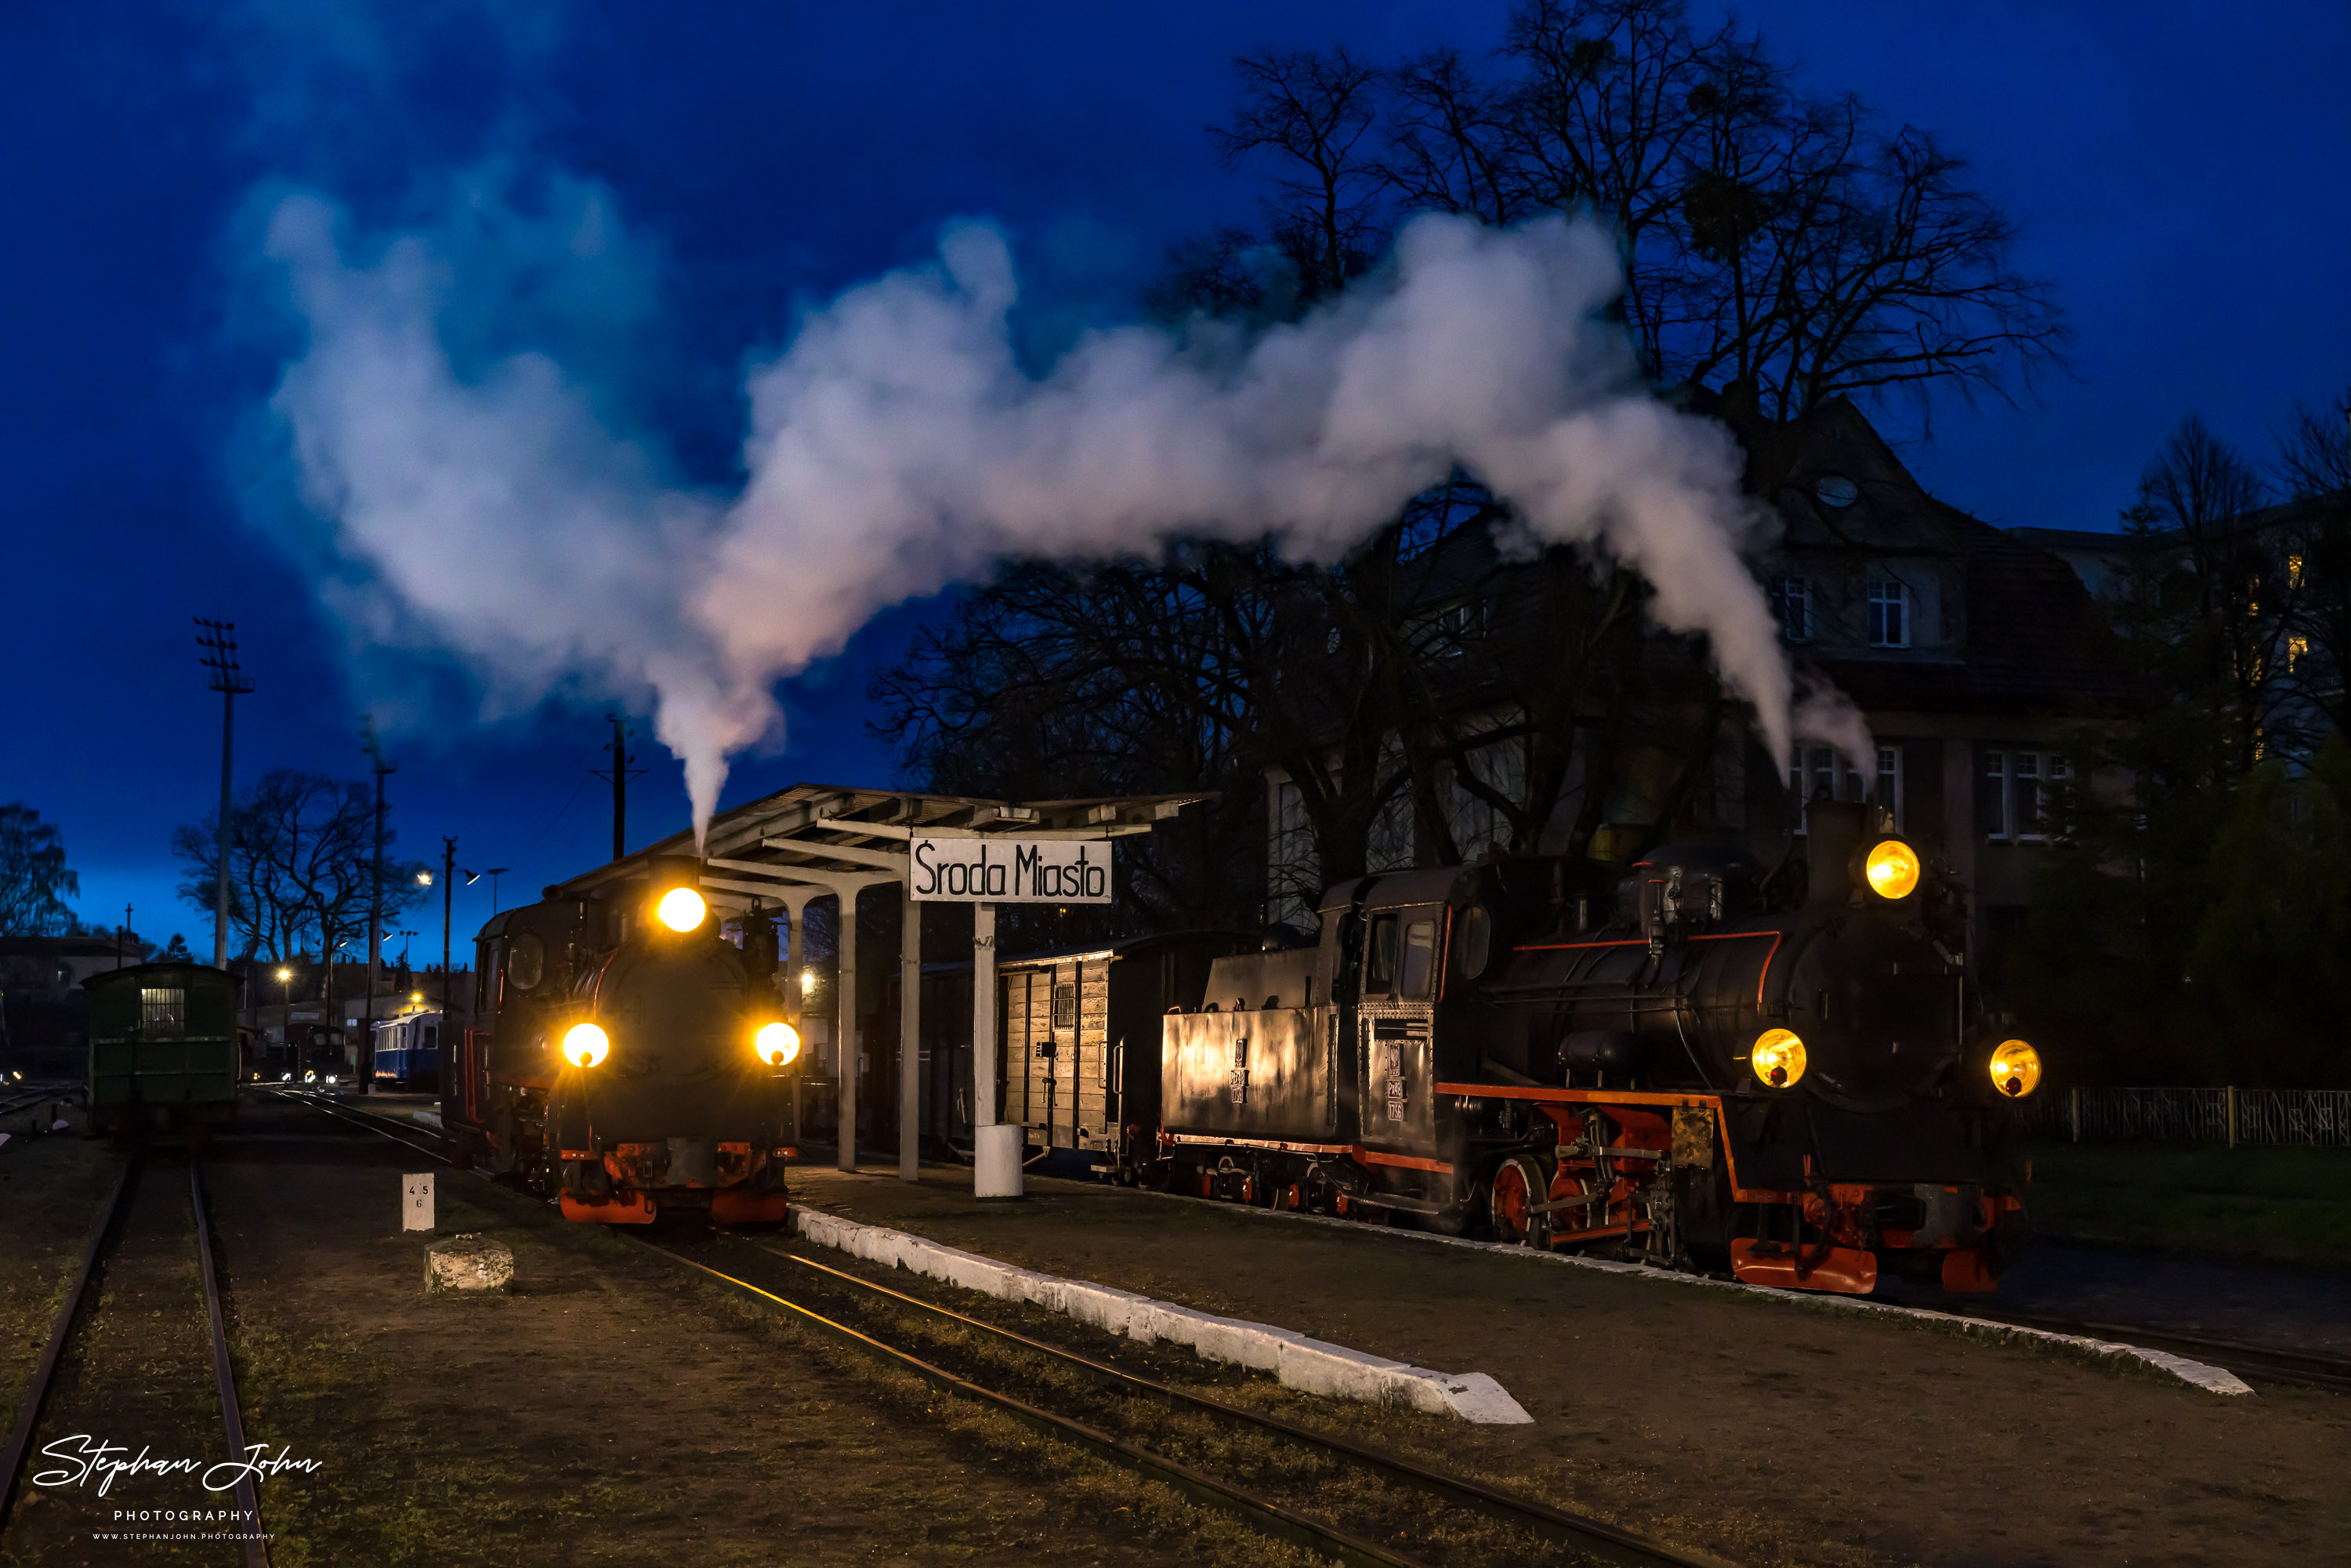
x: 898, y: 445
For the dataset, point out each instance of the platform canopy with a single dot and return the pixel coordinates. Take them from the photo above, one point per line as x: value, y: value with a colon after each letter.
x: 819, y: 841
x: 813, y: 840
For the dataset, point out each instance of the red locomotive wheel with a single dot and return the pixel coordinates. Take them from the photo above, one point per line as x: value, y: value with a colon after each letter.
x: 1513, y: 1198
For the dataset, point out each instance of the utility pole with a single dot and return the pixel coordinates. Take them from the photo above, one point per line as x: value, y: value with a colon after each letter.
x: 380, y: 768
x: 620, y: 776
x: 448, y: 891
x: 122, y: 936
x: 219, y: 656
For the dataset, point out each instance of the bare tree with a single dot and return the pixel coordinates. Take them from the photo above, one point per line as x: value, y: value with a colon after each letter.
x: 1310, y: 121
x: 2313, y: 469
x: 2199, y: 494
x: 35, y: 881
x: 301, y: 864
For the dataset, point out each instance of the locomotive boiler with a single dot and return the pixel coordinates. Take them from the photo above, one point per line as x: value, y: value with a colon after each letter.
x: 1784, y: 1078
x: 634, y: 1061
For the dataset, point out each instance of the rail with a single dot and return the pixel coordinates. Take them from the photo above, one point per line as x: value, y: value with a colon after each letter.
x: 1593, y: 1537
x: 38, y: 1389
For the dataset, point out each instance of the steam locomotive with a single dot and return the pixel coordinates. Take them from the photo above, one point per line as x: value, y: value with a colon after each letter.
x: 1785, y: 1078
x: 635, y: 1061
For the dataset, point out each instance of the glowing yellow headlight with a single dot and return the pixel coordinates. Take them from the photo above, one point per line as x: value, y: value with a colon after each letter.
x: 777, y: 1043
x: 585, y: 1045
x: 1892, y: 870
x: 1778, y: 1058
x: 682, y: 909
x: 2015, y: 1069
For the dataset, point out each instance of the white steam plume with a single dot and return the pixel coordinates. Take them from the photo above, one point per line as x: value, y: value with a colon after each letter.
x: 898, y: 446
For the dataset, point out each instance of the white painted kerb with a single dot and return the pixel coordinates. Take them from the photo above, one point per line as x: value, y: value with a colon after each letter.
x: 1309, y: 1366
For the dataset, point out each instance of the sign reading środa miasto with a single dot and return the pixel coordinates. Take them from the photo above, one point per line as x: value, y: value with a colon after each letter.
x: 1009, y: 871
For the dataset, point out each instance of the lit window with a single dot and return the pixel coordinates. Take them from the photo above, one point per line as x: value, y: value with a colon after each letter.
x: 2294, y: 572
x: 1791, y: 605
x: 162, y: 1012
x: 2296, y: 647
x: 1889, y: 613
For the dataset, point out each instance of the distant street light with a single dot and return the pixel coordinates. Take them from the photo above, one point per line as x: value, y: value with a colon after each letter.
x: 424, y: 879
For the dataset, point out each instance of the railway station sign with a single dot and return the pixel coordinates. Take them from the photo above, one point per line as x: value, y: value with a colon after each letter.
x: 1009, y: 869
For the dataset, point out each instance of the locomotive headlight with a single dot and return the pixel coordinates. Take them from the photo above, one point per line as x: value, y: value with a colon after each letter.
x: 682, y: 909
x: 585, y: 1045
x: 1891, y: 869
x: 777, y: 1043
x: 1778, y: 1058
x: 2015, y: 1069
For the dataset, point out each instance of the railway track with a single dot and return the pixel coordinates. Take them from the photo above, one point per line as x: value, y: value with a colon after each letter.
x: 24, y: 1097
x: 2256, y: 1363
x: 1585, y: 1538
x: 103, y: 1238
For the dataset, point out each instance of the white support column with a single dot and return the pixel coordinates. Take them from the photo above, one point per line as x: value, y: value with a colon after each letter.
x: 791, y: 957
x: 844, y: 1028
x: 996, y: 1148
x: 983, y: 1016
x: 910, y: 1035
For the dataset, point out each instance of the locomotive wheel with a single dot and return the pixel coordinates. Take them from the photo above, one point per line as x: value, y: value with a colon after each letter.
x: 1517, y: 1188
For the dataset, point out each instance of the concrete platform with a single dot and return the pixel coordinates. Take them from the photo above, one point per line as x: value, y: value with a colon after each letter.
x: 1784, y: 1423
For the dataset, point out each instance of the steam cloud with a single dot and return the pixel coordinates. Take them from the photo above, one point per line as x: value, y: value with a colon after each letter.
x: 897, y: 446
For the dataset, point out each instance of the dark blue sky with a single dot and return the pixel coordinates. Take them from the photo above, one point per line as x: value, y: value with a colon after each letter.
x: 2176, y: 171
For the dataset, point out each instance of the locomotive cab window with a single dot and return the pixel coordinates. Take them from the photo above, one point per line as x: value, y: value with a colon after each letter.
x: 487, y: 977
x: 1380, y: 958
x: 163, y: 1013
x: 1474, y: 944
x: 1419, y: 959
x: 527, y: 964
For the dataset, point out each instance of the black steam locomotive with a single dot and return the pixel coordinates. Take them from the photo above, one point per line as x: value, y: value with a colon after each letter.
x: 635, y: 1060
x: 1785, y: 1078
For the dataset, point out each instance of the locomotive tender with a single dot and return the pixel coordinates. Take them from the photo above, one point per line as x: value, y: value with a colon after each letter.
x: 634, y: 1060
x: 1717, y: 1073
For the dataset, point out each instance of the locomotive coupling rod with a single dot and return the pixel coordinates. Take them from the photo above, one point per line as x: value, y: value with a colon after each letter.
x: 1206, y: 1491
x: 36, y: 1392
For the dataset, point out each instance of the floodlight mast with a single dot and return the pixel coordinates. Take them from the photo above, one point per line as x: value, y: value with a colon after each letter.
x: 219, y: 644
x: 379, y: 767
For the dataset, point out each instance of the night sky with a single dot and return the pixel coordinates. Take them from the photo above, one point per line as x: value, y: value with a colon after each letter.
x: 2177, y: 172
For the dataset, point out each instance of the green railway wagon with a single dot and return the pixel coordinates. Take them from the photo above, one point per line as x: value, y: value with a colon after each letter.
x: 162, y: 1048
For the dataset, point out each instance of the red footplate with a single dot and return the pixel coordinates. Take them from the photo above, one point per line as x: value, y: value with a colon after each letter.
x: 1844, y: 1269
x: 737, y: 1206
x: 620, y: 1208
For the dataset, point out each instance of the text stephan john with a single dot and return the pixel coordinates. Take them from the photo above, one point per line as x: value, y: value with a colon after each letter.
x: 1011, y: 871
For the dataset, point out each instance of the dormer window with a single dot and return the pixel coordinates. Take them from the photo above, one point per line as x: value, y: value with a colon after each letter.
x: 1792, y: 606
x: 1889, y: 613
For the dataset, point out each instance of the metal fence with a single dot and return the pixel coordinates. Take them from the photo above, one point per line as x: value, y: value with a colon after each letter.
x: 2230, y: 1116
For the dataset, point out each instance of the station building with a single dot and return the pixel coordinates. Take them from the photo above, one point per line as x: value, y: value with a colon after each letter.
x: 1971, y: 652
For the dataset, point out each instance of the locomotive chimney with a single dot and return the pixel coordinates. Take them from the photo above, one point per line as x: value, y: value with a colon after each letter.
x: 1834, y: 829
